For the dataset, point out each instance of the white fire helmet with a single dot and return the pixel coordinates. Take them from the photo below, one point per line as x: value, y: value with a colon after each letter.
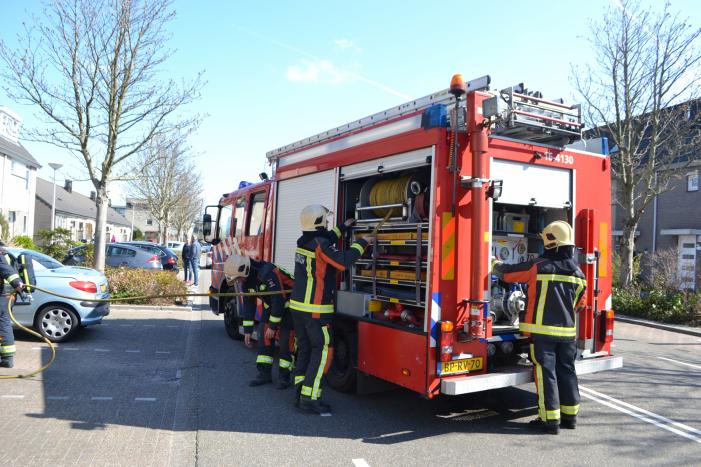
x: 556, y: 234
x: 236, y: 266
x: 313, y: 217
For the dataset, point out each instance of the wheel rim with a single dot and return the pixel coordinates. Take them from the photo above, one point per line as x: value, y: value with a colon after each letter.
x: 57, y: 323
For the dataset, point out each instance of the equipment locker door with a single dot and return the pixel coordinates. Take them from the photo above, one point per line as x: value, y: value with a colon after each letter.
x: 293, y: 195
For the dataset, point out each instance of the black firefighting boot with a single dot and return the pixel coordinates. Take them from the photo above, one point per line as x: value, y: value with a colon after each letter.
x: 263, y: 377
x: 569, y: 423
x: 314, y: 406
x: 283, y: 381
x: 540, y: 425
x: 7, y: 361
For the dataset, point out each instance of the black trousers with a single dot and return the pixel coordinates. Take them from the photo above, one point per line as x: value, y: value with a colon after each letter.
x: 7, y: 337
x: 556, y: 379
x: 266, y: 350
x: 313, y: 333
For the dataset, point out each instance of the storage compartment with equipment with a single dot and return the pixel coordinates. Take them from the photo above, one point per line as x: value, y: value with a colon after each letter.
x: 394, y: 208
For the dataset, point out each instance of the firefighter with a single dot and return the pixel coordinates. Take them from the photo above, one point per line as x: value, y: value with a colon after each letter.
x: 10, y: 280
x: 556, y: 289
x: 317, y: 262
x: 261, y: 276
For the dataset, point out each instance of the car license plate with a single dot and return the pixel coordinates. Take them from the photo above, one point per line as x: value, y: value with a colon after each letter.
x: 466, y: 365
x: 103, y: 288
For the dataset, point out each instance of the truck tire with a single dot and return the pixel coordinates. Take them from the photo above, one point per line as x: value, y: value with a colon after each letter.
x: 342, y: 372
x: 232, y: 321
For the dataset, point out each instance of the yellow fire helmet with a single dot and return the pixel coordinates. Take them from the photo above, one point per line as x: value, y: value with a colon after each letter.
x: 313, y: 217
x: 236, y: 266
x: 556, y: 234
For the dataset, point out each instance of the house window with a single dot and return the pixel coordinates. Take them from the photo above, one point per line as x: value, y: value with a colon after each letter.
x: 692, y: 181
x: 149, y: 221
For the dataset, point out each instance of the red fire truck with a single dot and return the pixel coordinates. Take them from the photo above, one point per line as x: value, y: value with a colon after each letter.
x: 464, y: 174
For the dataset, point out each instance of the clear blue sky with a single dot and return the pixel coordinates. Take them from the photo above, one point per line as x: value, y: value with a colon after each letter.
x: 281, y: 71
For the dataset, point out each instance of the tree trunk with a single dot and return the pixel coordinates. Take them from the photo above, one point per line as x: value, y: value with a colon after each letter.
x: 102, y: 203
x: 627, y: 254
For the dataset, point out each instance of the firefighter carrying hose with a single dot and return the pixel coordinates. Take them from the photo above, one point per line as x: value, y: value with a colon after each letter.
x: 556, y: 289
x: 10, y: 280
x: 275, y: 321
x: 317, y: 262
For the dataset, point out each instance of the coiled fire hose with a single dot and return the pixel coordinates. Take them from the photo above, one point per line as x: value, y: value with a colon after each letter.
x: 106, y: 300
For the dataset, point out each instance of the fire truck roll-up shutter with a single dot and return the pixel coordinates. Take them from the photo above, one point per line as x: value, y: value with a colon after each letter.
x: 527, y: 184
x: 403, y: 161
x: 293, y: 195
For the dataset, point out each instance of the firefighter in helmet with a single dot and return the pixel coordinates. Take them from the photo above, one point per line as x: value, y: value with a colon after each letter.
x: 556, y: 289
x: 317, y: 262
x: 10, y: 282
x: 275, y: 322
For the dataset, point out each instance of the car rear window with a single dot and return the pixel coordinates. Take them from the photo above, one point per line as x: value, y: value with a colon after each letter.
x: 119, y: 251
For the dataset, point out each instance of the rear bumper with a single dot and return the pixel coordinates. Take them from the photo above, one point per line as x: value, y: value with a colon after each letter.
x: 519, y: 376
x: 92, y: 313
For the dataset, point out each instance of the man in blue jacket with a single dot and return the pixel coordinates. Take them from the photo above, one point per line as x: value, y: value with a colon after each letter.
x: 186, y: 255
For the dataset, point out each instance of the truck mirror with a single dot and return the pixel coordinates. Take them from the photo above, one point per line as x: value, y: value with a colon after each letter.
x: 207, y: 227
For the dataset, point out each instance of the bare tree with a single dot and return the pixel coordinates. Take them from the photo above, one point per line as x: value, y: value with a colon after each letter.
x: 187, y: 212
x: 167, y: 180
x: 91, y: 68
x: 640, y: 93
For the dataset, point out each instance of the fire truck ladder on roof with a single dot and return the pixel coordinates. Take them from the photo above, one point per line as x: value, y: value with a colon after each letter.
x: 440, y: 97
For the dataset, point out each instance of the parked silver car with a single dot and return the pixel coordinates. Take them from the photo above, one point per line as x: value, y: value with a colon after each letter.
x: 59, y: 318
x: 119, y: 255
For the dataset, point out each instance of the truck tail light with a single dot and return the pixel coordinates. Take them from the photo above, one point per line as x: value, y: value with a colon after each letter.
x: 84, y: 286
x: 447, y: 341
x: 608, y: 326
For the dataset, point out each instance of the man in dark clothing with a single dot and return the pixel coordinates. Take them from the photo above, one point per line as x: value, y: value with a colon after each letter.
x: 317, y: 262
x: 10, y: 280
x: 556, y: 289
x: 186, y: 255
x: 275, y: 321
x: 195, y: 252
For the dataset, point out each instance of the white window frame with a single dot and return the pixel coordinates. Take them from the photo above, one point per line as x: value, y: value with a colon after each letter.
x: 692, y: 181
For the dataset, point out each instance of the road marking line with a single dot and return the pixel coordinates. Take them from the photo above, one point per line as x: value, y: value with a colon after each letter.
x: 12, y: 396
x: 36, y: 348
x: 132, y: 351
x: 172, y: 326
x: 149, y: 326
x: 681, y: 363
x: 360, y: 463
x: 98, y: 398
x: 145, y: 399
x: 645, y: 415
x: 71, y: 348
x: 161, y: 351
x: 102, y: 350
x: 57, y: 398
x: 126, y: 325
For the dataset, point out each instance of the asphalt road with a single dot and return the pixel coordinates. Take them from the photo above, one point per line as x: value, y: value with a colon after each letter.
x: 170, y: 388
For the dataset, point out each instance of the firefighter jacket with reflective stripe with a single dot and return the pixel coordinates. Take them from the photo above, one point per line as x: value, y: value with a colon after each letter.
x: 317, y: 261
x: 8, y: 274
x: 266, y: 277
x: 556, y: 289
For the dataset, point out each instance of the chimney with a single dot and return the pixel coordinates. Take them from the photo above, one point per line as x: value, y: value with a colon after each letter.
x: 68, y: 186
x: 93, y: 196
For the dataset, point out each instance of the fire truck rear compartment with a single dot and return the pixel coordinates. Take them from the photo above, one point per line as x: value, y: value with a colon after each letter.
x: 388, y: 285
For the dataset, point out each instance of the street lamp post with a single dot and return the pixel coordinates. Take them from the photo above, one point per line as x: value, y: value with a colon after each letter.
x: 54, y: 166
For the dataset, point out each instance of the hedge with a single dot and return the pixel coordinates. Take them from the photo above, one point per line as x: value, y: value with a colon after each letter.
x: 676, y: 307
x: 130, y: 282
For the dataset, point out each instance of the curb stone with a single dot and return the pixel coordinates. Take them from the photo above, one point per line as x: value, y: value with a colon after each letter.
x: 169, y: 308
x: 666, y: 327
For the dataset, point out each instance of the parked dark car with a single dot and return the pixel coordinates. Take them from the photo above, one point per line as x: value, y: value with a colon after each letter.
x: 169, y: 259
x: 119, y: 254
